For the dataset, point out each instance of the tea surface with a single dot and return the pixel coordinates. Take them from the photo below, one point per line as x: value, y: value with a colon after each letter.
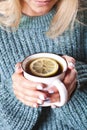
x: 44, y: 67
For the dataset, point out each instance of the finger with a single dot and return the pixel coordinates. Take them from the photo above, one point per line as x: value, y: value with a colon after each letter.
x: 19, y: 80
x: 31, y: 93
x: 55, y: 97
x: 35, y: 105
x: 71, y: 75
x: 72, y: 86
x: 28, y: 99
x: 71, y: 61
x: 18, y: 68
x: 71, y: 89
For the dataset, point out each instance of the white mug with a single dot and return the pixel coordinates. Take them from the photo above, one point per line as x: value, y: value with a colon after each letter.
x: 50, y: 81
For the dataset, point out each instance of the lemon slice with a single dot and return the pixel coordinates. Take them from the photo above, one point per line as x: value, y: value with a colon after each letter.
x: 44, y: 67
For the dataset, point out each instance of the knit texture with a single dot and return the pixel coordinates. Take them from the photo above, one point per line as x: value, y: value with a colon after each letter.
x: 30, y: 38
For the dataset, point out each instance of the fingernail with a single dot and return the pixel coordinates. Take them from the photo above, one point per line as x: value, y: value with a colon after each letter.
x: 50, y: 91
x: 40, y: 102
x: 42, y: 97
x: 71, y: 65
x: 39, y: 87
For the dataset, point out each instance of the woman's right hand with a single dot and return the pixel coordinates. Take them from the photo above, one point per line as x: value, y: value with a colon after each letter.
x: 26, y: 91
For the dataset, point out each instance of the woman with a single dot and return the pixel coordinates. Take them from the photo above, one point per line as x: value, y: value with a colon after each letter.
x: 33, y: 26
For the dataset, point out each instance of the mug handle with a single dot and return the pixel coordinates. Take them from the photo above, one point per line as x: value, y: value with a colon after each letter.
x: 62, y: 91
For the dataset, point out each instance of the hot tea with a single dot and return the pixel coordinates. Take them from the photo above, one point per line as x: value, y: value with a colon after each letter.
x: 47, y: 66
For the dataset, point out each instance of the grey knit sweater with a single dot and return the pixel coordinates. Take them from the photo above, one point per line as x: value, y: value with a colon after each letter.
x: 28, y: 39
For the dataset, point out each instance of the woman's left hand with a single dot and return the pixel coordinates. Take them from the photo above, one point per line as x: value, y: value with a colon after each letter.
x: 69, y: 80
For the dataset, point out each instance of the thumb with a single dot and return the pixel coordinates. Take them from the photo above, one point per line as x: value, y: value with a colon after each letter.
x: 18, y: 68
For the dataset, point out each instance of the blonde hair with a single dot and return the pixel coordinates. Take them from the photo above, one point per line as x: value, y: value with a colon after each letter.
x: 66, y: 14
x: 10, y: 14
